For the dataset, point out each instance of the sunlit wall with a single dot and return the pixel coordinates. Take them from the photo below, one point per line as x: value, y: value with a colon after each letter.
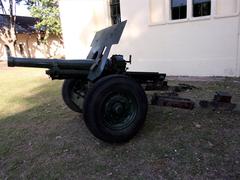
x: 197, y: 46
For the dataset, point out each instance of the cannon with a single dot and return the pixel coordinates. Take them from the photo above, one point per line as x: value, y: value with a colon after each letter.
x: 112, y: 99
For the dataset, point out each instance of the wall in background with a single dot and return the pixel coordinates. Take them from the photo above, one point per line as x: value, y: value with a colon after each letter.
x: 196, y: 46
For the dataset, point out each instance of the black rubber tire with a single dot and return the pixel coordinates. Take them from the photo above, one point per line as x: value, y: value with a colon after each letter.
x: 67, y: 87
x: 94, y: 112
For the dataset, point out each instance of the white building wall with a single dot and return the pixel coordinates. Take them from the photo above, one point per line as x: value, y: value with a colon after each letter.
x: 206, y: 46
x: 80, y: 20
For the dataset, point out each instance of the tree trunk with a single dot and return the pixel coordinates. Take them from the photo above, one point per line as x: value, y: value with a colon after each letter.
x: 12, y: 27
x: 12, y: 48
x: 8, y: 34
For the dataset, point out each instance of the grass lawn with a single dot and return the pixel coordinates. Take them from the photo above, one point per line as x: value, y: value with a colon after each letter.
x: 40, y: 138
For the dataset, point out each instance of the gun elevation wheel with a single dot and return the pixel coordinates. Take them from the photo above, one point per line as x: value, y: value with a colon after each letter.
x: 115, y: 108
x: 73, y: 93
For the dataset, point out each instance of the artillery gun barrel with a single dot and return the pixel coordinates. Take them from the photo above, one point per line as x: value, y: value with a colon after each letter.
x: 50, y: 63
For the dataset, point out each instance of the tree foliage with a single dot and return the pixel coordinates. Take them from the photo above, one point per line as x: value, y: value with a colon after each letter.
x: 47, y: 13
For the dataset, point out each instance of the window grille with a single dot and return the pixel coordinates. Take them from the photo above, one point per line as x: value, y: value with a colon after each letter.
x: 201, y: 8
x: 179, y: 9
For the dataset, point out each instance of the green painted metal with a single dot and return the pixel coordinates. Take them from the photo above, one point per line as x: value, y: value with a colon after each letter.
x: 78, y: 93
x: 101, y: 46
x: 95, y: 63
x: 95, y: 66
x: 50, y: 63
x: 119, y: 111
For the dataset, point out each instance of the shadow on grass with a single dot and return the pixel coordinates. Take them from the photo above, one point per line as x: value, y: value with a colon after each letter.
x: 49, y: 141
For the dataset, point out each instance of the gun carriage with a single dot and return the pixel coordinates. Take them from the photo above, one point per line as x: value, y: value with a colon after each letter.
x: 111, y: 98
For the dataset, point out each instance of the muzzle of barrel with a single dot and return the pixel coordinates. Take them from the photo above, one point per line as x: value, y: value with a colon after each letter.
x: 9, y: 57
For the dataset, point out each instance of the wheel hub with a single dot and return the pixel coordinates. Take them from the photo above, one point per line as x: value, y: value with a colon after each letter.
x: 119, y: 110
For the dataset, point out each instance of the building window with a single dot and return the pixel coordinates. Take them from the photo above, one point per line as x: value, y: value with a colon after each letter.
x: 227, y: 8
x: 201, y: 8
x: 179, y: 9
x: 157, y: 11
x: 115, y: 11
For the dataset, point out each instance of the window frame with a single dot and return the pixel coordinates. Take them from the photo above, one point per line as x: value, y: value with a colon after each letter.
x: 189, y: 18
x: 170, y: 20
x: 170, y: 6
x: 192, y: 18
x: 211, y: 2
